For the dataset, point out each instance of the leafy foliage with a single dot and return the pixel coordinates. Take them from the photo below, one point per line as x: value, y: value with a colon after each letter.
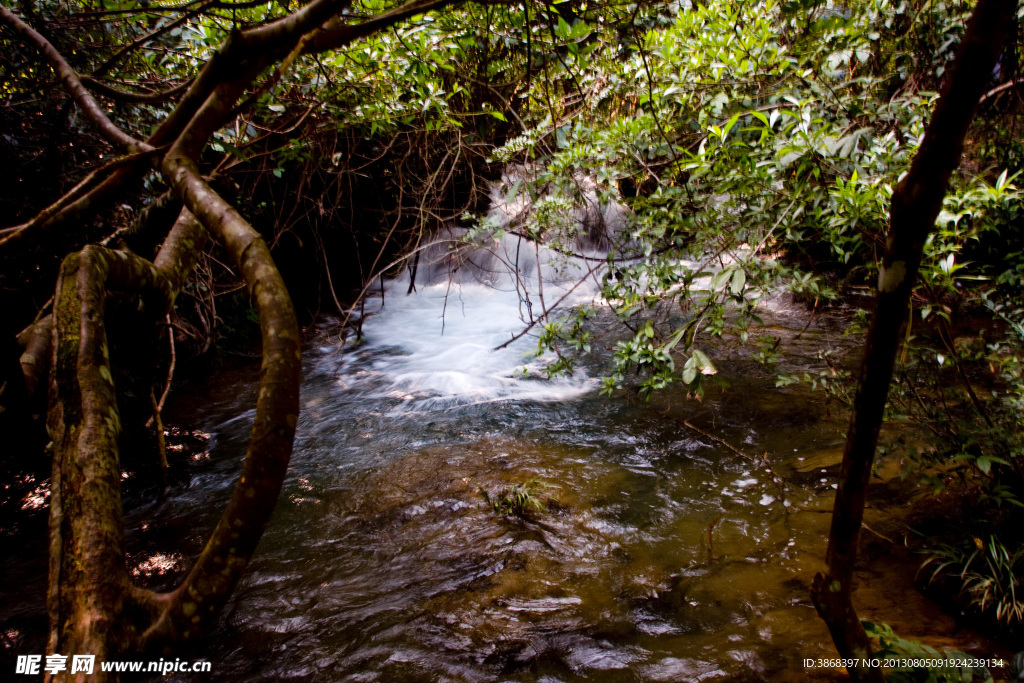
x: 892, y: 646
x: 756, y: 146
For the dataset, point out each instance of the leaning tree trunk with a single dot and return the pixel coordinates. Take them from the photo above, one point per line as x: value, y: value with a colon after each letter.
x: 915, y: 206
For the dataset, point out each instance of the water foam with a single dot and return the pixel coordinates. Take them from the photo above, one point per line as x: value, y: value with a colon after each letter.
x: 439, y: 343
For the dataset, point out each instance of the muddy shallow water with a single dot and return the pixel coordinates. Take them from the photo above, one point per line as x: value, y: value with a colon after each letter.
x: 678, y: 540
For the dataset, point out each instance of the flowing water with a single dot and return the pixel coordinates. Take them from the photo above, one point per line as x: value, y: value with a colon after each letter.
x: 678, y: 538
x: 677, y: 543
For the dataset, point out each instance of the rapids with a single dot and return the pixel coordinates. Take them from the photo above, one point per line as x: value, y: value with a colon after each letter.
x: 678, y: 541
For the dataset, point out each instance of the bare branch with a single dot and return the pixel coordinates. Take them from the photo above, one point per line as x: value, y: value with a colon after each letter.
x: 80, y: 196
x: 120, y: 95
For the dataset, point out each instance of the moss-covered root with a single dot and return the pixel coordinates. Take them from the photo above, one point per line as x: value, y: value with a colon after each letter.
x: 92, y: 606
x: 88, y: 579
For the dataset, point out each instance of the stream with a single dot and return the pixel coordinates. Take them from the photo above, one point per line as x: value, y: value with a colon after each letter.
x: 677, y: 543
x: 664, y: 554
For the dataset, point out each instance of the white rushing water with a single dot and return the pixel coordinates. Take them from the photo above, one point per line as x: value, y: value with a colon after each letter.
x: 661, y: 551
x: 439, y: 343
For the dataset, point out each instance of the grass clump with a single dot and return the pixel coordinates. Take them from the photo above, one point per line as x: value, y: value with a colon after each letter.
x: 517, y: 500
x: 989, y: 574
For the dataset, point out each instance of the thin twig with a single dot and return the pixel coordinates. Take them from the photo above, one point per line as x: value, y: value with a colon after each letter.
x: 721, y: 441
x: 167, y: 382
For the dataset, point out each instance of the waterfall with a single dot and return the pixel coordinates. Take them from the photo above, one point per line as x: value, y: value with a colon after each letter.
x: 438, y: 341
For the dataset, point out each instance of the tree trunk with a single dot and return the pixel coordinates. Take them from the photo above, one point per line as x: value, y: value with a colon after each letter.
x: 89, y: 588
x: 915, y: 206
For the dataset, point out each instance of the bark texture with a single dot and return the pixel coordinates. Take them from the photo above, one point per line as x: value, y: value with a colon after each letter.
x: 90, y: 599
x: 915, y: 206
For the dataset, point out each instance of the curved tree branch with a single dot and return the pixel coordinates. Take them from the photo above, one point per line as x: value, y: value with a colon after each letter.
x: 191, y: 609
x: 73, y: 84
x: 113, y: 93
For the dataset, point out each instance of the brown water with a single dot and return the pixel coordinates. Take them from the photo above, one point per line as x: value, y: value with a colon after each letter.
x: 663, y: 554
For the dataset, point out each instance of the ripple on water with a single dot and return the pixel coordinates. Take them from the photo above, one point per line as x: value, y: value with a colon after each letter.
x: 663, y: 555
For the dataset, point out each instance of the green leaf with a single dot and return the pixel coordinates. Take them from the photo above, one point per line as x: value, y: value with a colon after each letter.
x: 562, y: 30
x: 728, y: 126
x: 513, y: 191
x: 984, y: 462
x: 235, y: 151
x: 703, y: 363
x: 689, y: 372
x: 720, y: 278
x: 739, y: 278
x: 671, y: 343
